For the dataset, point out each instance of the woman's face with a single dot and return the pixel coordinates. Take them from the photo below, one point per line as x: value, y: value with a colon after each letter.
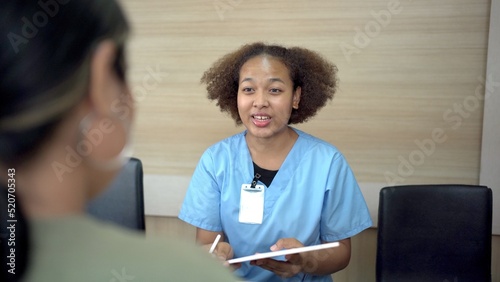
x: 266, y: 96
x: 112, y: 114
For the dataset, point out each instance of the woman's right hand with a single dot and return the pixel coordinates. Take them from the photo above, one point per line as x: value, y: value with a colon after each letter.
x: 224, y: 252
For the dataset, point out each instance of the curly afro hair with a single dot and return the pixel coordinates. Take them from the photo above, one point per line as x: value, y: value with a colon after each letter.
x: 315, y: 75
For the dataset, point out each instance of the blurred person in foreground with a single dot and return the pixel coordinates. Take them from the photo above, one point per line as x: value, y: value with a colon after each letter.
x: 65, y: 118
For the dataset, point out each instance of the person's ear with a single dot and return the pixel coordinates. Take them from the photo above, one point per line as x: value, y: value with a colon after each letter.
x: 104, y: 83
x: 296, y: 97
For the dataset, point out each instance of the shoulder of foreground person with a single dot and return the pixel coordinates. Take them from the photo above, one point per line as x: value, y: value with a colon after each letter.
x: 87, y: 250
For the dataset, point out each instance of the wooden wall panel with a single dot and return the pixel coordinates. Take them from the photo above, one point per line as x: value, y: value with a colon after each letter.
x: 415, y: 72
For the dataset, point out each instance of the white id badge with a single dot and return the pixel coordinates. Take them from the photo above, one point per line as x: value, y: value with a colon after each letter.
x: 251, y: 204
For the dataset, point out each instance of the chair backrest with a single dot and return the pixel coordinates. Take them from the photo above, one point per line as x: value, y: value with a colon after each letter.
x: 436, y: 233
x: 122, y: 203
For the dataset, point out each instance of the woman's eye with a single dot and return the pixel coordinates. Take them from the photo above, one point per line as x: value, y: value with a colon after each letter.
x: 275, y: 90
x: 247, y: 89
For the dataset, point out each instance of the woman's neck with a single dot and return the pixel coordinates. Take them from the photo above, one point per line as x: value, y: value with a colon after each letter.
x: 41, y: 189
x: 269, y: 153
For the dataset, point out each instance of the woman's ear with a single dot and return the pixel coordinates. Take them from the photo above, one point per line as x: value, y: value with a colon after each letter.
x: 103, y: 80
x: 296, y: 97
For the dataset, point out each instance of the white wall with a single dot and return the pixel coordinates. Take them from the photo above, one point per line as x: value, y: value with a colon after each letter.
x: 490, y: 151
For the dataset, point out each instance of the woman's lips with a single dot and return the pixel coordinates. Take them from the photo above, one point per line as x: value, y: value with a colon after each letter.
x: 261, y: 120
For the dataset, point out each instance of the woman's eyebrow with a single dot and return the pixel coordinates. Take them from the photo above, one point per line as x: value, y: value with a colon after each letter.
x: 246, y: 79
x: 274, y: 79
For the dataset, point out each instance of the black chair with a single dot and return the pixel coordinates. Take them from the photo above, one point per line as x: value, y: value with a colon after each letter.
x: 123, y: 201
x: 438, y: 233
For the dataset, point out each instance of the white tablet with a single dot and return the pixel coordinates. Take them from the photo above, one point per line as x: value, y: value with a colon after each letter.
x: 284, y: 252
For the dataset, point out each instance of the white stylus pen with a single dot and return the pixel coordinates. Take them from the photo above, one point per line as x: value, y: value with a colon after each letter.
x: 214, y: 244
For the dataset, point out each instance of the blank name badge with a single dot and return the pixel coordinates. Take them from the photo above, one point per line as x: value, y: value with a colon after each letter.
x: 251, y: 204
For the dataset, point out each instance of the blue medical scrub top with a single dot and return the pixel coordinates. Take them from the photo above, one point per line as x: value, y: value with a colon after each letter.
x: 314, y: 198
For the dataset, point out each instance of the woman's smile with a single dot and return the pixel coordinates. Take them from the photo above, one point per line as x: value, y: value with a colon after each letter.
x: 261, y: 120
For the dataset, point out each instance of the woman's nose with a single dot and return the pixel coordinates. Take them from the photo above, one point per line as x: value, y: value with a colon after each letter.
x: 260, y: 99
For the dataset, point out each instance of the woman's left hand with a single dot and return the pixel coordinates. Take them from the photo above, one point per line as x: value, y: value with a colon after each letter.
x: 285, y: 269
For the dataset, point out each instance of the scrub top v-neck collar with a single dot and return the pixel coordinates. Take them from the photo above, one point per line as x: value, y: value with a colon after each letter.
x: 284, y: 175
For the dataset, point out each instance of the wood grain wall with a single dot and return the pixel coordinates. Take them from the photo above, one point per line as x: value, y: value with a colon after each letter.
x: 407, y: 69
x: 405, y: 111
x: 409, y: 108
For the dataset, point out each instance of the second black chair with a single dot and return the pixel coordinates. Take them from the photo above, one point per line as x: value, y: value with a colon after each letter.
x: 123, y: 201
x: 438, y: 233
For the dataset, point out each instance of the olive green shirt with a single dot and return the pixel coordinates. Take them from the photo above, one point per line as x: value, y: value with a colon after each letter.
x: 79, y: 248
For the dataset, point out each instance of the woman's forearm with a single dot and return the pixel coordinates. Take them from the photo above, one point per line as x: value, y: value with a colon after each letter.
x: 328, y: 261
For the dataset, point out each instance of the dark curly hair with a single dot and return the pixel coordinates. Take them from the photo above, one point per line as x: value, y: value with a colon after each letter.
x: 315, y: 75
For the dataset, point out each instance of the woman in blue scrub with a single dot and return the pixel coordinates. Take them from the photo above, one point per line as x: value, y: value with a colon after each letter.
x: 274, y: 187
